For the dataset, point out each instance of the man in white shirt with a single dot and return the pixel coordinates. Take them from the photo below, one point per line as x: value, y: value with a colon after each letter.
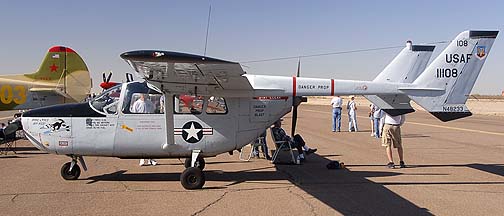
x: 143, y: 106
x: 377, y: 115
x: 352, y: 114
x: 336, y: 103
x: 391, y: 136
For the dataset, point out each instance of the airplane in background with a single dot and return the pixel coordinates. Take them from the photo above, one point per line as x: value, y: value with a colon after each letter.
x: 63, y: 77
x: 236, y: 108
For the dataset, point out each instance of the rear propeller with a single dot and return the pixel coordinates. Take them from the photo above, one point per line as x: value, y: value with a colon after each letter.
x: 295, y: 103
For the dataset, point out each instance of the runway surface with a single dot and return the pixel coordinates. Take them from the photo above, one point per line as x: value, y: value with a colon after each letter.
x: 454, y: 168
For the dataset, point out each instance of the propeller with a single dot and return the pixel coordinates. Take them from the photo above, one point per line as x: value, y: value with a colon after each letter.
x: 106, y: 84
x: 295, y: 103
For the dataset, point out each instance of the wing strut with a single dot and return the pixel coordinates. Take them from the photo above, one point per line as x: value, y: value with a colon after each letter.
x: 170, y: 140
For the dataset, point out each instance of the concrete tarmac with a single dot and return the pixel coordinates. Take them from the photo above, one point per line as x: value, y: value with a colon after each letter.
x: 454, y: 168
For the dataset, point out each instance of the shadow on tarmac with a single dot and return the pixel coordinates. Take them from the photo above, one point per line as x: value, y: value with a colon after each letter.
x: 348, y: 192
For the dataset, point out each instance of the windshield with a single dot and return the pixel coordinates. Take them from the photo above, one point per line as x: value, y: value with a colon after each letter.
x: 111, y: 96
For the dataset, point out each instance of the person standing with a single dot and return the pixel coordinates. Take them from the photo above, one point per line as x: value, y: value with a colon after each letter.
x: 391, y: 137
x: 336, y: 104
x: 371, y: 117
x: 377, y: 115
x: 352, y: 114
x: 143, y: 105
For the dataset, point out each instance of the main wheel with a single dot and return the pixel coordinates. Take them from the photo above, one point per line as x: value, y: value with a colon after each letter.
x: 192, y: 178
x: 200, y: 163
x: 70, y: 175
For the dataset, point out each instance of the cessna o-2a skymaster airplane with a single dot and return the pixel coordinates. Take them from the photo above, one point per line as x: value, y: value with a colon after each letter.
x: 232, y: 108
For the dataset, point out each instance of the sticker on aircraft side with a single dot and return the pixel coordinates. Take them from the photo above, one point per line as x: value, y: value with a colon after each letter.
x: 453, y: 108
x: 58, y: 125
x: 362, y: 87
x: 481, y: 52
x: 124, y: 127
x: 266, y: 98
x: 98, y: 123
x: 193, y: 132
x: 148, y: 125
x: 63, y: 143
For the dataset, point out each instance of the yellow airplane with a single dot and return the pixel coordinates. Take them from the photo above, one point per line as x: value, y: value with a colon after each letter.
x: 63, y: 77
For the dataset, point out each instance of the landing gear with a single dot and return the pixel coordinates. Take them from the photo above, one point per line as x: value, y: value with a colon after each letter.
x: 193, y: 176
x: 69, y: 172
x: 199, y: 163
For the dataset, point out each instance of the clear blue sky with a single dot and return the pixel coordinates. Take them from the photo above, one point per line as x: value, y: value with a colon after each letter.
x: 245, y: 30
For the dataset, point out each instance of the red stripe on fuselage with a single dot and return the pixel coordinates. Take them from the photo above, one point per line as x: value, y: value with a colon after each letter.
x: 294, y: 86
x: 332, y: 87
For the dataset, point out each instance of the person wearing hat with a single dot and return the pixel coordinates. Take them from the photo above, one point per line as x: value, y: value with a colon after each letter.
x: 296, y: 142
x: 352, y: 114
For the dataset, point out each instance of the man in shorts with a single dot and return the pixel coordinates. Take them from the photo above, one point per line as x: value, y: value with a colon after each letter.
x: 391, y: 137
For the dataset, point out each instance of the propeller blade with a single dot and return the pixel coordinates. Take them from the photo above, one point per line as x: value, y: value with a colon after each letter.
x: 104, y: 77
x: 109, y: 76
x: 129, y: 77
x: 294, y: 120
x: 295, y: 105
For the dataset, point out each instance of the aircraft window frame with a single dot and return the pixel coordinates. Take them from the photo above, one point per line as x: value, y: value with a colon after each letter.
x: 217, y: 99
x: 113, y: 104
x: 100, y: 108
x: 194, y: 111
x: 140, y: 88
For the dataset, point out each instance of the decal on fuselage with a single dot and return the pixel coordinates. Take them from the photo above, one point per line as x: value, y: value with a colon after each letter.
x: 193, y: 132
x: 98, y: 123
x: 58, y: 126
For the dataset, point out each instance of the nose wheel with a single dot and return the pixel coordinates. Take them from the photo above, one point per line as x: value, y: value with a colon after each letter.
x: 193, y: 176
x: 69, y: 172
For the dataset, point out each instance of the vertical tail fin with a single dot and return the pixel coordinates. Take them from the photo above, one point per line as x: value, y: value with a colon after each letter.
x: 62, y: 65
x: 407, y: 65
x: 443, y: 88
x: 404, y: 68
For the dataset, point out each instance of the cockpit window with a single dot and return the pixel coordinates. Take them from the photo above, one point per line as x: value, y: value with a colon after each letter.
x: 145, y: 103
x: 141, y: 99
x: 107, y: 101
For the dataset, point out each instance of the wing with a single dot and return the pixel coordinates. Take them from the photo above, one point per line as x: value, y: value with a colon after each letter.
x: 182, y: 72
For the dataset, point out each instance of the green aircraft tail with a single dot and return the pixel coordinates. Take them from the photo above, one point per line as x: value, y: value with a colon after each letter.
x: 59, y: 62
x: 64, y: 67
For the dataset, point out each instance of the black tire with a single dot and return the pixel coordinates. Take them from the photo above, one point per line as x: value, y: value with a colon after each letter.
x: 70, y: 175
x: 200, y: 163
x: 192, y: 178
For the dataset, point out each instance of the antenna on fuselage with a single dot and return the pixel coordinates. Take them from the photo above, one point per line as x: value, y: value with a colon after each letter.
x: 207, y: 28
